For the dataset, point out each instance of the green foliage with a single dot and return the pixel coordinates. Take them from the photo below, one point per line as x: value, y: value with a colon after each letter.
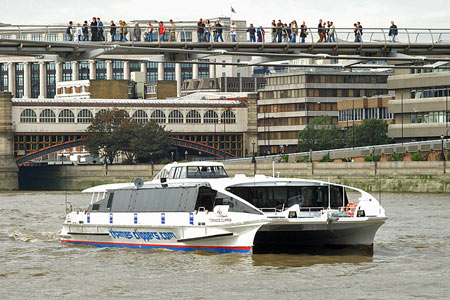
x: 370, y: 132
x: 415, y: 156
x: 113, y: 132
x: 165, y: 161
x: 372, y: 157
x: 326, y: 158
x: 303, y: 159
x: 397, y: 157
x: 320, y: 134
x: 284, y: 157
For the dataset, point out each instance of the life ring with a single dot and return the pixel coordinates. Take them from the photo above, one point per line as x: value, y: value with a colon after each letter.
x: 350, y: 208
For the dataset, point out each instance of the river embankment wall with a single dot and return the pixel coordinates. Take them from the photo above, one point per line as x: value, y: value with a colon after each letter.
x: 401, y: 177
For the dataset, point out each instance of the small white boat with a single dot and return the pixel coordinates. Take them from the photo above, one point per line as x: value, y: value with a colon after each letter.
x: 301, y: 212
x: 177, y: 216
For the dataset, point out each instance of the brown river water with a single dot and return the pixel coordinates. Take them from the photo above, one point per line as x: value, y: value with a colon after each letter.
x: 411, y: 260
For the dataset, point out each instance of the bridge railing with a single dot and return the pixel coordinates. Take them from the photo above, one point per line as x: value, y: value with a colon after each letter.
x: 188, y: 34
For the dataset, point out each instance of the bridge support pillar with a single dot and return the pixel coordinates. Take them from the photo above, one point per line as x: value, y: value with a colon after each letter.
x: 160, y: 71
x: 9, y: 173
x: 178, y: 78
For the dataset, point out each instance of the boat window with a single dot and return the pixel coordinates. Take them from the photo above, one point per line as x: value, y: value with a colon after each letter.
x: 206, y: 172
x: 235, y: 204
x: 168, y: 199
x: 110, y: 200
x: 172, y: 172
x: 286, y: 196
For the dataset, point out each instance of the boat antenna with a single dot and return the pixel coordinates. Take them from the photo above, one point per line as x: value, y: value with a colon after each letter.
x: 379, y: 190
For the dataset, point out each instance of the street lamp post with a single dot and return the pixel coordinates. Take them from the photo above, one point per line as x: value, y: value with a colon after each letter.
x: 200, y: 155
x: 442, y: 149
x: 171, y: 153
x: 186, y: 155
x: 253, y: 158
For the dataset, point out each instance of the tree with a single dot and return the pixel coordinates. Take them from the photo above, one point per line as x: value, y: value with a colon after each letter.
x: 320, y: 134
x: 370, y: 132
x: 113, y: 132
x: 101, y: 133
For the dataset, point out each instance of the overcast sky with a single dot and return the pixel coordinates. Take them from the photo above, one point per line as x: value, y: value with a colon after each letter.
x: 375, y: 13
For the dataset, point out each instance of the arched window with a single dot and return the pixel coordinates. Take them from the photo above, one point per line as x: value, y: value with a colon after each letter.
x: 84, y: 116
x: 175, y: 116
x: 158, y: 116
x: 47, y: 116
x: 193, y: 117
x: 210, y: 117
x: 228, y: 117
x: 101, y: 111
x: 28, y: 116
x: 66, y: 116
x: 140, y: 116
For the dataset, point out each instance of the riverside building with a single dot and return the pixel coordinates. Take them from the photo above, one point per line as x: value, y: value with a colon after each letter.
x: 421, y: 106
x: 289, y: 101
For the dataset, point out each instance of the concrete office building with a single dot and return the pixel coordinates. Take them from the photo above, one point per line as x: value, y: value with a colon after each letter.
x: 421, y: 106
x: 289, y: 101
x: 353, y: 112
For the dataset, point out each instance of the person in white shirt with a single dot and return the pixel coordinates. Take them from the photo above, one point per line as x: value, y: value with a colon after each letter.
x: 233, y: 32
x: 78, y: 33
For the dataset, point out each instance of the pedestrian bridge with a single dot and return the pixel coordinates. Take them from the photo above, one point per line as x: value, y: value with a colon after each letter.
x: 412, y: 45
x: 211, y: 151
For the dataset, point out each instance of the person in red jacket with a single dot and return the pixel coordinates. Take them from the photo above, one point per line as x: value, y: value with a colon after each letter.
x: 162, y: 31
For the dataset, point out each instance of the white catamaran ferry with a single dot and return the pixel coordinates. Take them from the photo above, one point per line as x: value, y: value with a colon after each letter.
x: 197, y: 206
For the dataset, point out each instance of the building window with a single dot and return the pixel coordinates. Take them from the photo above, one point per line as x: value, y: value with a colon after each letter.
x: 22, y: 36
x: 186, y: 36
x: 152, y: 77
x: 47, y: 116
x: 140, y: 116
x: 36, y: 37
x: 210, y: 117
x: 67, y: 71
x: 83, y: 70
x: 158, y: 116
x: 28, y: 116
x: 66, y: 116
x: 175, y: 116
x: 84, y: 116
x: 228, y: 117
x: 193, y: 117
x: 53, y: 37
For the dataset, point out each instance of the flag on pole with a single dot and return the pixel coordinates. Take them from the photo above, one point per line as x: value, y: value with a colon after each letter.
x: 232, y: 10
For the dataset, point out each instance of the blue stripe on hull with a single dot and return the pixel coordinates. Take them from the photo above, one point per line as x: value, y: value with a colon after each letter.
x: 244, y: 250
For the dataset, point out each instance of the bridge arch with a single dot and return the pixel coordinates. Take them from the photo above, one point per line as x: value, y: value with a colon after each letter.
x: 80, y: 142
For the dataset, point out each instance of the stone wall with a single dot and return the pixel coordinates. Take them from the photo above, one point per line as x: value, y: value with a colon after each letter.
x: 8, y: 168
x: 417, y: 177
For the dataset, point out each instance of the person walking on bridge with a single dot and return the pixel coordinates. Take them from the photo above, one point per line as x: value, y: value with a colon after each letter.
x: 319, y: 31
x: 85, y: 31
x: 112, y: 31
x: 137, y: 32
x: 280, y: 31
x: 274, y: 31
x: 94, y: 29
x: 172, y: 37
x: 393, y: 31
x: 69, y: 31
x: 200, y: 30
x: 251, y: 32
x: 219, y: 32
x: 162, y: 31
x: 303, y: 31
x: 233, y: 32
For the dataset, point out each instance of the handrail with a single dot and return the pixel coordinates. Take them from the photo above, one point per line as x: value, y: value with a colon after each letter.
x: 344, y: 32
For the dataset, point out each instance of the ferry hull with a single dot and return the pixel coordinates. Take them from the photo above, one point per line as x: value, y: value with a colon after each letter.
x: 231, y: 239
x: 296, y: 235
